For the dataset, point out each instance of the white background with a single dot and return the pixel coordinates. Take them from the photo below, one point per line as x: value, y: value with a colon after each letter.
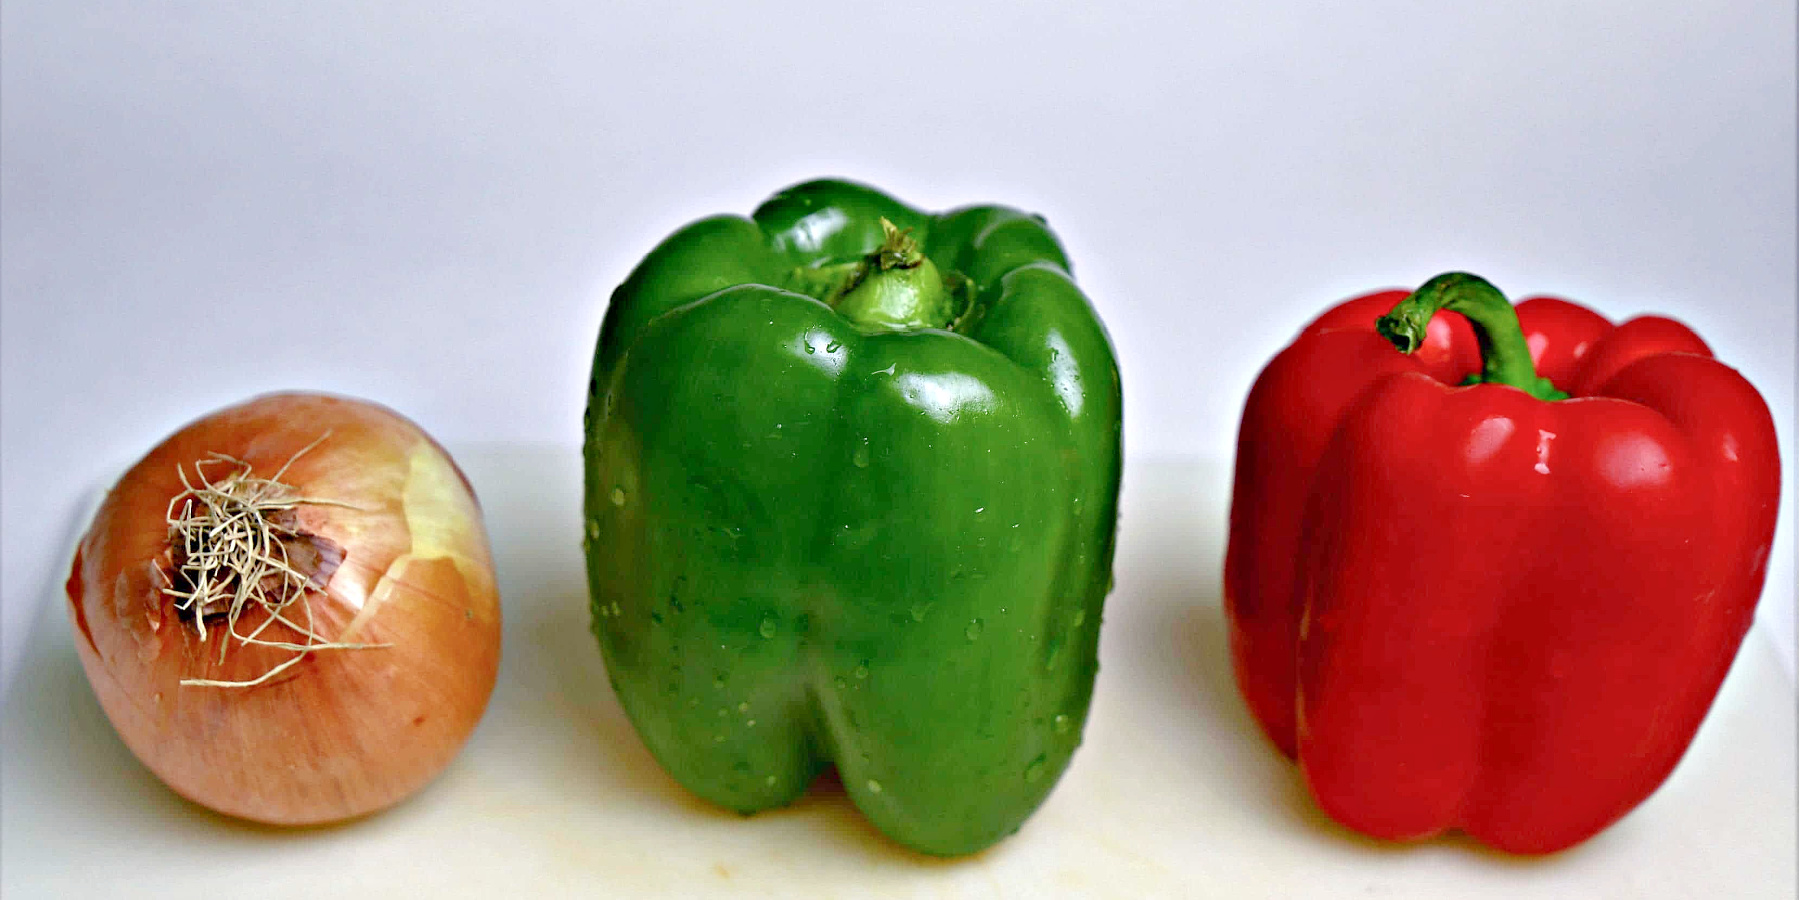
x: 425, y: 203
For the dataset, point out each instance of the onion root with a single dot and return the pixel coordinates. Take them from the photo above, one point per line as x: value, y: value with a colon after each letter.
x: 229, y: 543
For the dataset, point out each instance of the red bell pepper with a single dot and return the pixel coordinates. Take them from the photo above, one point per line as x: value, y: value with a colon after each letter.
x: 1465, y: 599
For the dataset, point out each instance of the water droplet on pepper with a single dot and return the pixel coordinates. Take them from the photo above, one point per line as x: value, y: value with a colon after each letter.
x: 1035, y: 771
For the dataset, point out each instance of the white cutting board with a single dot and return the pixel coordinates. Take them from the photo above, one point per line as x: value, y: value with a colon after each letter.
x: 1174, y: 793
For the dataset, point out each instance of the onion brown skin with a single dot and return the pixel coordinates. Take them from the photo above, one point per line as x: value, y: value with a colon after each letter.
x: 345, y: 732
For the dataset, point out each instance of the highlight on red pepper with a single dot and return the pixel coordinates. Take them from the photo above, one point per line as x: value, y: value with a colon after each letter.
x: 1493, y: 582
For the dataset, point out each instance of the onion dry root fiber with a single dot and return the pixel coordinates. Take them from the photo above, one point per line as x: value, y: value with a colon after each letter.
x: 288, y: 609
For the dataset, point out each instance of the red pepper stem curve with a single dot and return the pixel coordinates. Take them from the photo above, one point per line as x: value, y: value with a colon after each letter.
x: 1505, y: 357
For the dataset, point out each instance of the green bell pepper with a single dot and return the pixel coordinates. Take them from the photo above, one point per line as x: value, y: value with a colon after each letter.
x: 852, y: 475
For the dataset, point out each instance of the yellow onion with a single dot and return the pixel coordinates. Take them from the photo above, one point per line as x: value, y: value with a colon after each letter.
x: 288, y: 609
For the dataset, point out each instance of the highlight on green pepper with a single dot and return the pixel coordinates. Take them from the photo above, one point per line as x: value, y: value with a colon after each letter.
x: 852, y: 476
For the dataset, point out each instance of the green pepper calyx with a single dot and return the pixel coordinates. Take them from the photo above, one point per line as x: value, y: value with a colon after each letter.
x: 895, y: 288
x: 1505, y: 357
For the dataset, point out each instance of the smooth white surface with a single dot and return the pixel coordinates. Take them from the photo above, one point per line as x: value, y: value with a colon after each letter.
x: 1174, y: 793
x: 426, y: 202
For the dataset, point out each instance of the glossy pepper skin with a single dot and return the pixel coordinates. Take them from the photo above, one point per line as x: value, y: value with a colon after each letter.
x: 1471, y: 607
x: 852, y: 474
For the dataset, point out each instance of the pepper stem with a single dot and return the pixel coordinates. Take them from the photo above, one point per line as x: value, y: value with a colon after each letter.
x: 898, y: 249
x: 1505, y: 357
x: 895, y: 288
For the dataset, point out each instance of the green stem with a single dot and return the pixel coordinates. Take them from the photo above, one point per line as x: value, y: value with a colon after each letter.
x: 1505, y: 357
x: 895, y: 288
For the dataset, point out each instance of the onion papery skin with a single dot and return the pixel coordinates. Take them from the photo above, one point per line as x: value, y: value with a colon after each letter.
x: 345, y: 732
